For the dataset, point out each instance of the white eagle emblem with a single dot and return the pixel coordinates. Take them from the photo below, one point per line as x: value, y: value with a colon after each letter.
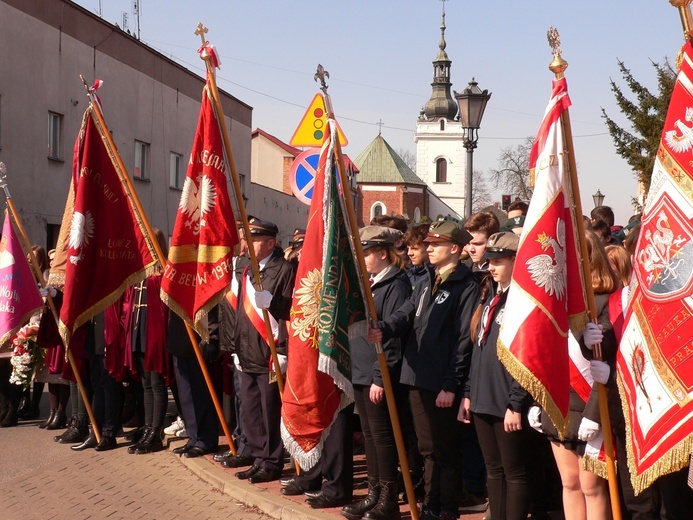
x: 196, y: 201
x: 684, y: 142
x: 81, y: 230
x: 548, y: 272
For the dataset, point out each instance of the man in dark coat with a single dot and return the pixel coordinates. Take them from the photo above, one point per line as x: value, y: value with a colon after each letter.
x: 261, y: 410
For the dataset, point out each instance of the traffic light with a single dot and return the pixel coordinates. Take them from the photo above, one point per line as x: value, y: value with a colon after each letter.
x: 506, y: 202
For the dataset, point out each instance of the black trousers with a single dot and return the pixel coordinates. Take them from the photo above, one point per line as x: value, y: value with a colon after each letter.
x: 261, y: 415
x: 242, y: 447
x: 196, y: 404
x: 155, y: 395
x: 336, y: 463
x: 506, y: 473
x: 107, y: 398
x: 438, y: 432
x: 381, y: 450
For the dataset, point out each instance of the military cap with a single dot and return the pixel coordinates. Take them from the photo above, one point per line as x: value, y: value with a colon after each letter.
x: 298, y: 237
x: 513, y: 223
x: 448, y: 231
x: 263, y: 227
x: 503, y: 243
x: 379, y: 236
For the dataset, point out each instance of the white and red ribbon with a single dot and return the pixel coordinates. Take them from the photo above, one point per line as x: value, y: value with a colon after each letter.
x: 212, y: 52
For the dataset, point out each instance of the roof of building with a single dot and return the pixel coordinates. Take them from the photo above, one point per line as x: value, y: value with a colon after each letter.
x: 379, y: 163
x: 281, y: 144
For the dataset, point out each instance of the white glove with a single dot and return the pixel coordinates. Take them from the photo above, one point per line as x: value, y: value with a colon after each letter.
x: 592, y: 335
x: 534, y: 418
x: 263, y: 299
x: 588, y: 429
x: 236, y: 362
x: 47, y: 291
x: 600, y: 371
x: 283, y: 360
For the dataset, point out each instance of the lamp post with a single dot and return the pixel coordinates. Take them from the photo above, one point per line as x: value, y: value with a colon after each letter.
x: 598, y: 198
x: 472, y: 101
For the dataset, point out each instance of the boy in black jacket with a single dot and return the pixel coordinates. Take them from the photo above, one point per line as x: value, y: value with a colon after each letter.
x: 436, y: 361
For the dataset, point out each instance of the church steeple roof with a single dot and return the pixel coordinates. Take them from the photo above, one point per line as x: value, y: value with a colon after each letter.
x: 441, y: 103
x: 379, y: 163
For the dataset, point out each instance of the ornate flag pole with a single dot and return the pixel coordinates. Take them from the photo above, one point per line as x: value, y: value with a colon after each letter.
x: 132, y: 195
x: 558, y: 66
x: 39, y: 279
x: 320, y: 75
x: 238, y: 192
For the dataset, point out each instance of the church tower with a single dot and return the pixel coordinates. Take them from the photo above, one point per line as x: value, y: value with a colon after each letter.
x: 440, y: 152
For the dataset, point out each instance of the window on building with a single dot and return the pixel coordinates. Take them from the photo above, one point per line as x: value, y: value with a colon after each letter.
x: 378, y: 209
x: 55, y: 126
x: 441, y: 170
x: 141, y: 160
x: 442, y: 125
x: 177, y: 175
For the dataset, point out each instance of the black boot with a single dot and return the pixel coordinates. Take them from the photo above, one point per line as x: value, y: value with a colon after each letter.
x: 76, y: 432
x: 59, y: 421
x: 71, y: 425
x: 357, y: 510
x: 24, y: 405
x: 145, y: 433
x: 51, y: 416
x: 387, y: 507
x: 136, y: 435
x: 152, y: 443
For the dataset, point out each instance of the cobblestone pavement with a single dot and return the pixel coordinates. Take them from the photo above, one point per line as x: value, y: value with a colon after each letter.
x: 42, y: 479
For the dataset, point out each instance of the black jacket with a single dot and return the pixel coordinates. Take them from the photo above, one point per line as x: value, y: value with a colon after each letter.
x: 438, y: 350
x: 278, y: 278
x: 178, y: 339
x: 389, y: 294
x: 492, y: 389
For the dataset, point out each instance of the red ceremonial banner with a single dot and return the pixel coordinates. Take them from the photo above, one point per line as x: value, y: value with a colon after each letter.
x: 655, y: 359
x: 106, y: 250
x: 19, y: 296
x: 546, y: 297
x: 199, y: 269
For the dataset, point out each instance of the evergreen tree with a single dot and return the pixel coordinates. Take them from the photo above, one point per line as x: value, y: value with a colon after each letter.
x: 638, y: 145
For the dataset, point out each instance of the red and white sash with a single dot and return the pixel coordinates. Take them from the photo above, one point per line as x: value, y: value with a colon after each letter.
x: 255, y: 315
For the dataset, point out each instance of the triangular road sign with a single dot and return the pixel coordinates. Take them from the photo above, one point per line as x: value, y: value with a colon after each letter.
x: 311, y: 129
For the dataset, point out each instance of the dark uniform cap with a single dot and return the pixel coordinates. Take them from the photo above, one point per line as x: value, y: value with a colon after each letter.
x: 513, y: 223
x: 379, y: 236
x: 298, y: 237
x: 501, y: 244
x: 448, y: 231
x: 263, y: 227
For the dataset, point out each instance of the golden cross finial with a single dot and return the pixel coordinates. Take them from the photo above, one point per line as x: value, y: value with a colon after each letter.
x: 201, y: 31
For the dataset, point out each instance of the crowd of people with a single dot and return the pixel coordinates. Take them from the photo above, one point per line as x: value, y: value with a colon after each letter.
x: 473, y: 435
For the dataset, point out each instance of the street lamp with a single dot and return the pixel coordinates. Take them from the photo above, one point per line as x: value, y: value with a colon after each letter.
x: 598, y: 198
x: 472, y: 101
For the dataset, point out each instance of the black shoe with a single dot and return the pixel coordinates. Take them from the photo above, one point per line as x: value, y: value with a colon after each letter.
x: 136, y: 434
x: 76, y: 432
x: 151, y: 442
x: 108, y: 442
x: 59, y: 422
x: 265, y: 475
x: 24, y: 406
x: 238, y: 461
x: 221, y: 457
x: 245, y: 475
x: 357, y: 510
x: 90, y: 442
x: 9, y: 420
x: 32, y: 413
x: 196, y: 451
x: 387, y: 507
x: 182, y: 449
x: 285, y: 481
x: 324, y: 502
x: 313, y: 494
x: 51, y: 416
x: 296, y: 488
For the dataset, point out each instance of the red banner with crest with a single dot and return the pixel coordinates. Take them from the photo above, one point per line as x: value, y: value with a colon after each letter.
x: 655, y: 360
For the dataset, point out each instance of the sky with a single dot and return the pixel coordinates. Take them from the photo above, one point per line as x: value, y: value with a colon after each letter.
x: 379, y: 56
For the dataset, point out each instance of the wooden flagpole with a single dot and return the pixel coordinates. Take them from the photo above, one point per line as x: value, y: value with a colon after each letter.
x: 358, y: 254
x: 558, y: 66
x: 132, y: 195
x: 238, y: 192
x: 26, y: 245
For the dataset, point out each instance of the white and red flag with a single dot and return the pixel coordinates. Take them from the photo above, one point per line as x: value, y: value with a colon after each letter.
x: 19, y: 296
x: 546, y: 296
x: 106, y: 249
x: 199, y: 269
x: 655, y: 359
